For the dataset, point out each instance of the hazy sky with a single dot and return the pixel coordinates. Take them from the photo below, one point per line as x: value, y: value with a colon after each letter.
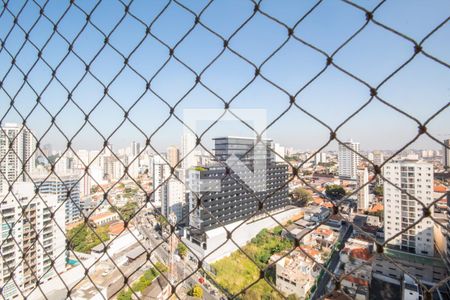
x: 420, y: 89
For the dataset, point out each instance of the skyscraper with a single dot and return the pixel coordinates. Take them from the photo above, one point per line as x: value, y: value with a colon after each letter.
x: 161, y: 171
x: 60, y: 186
x: 17, y: 154
x: 233, y: 201
x: 348, y: 160
x: 173, y: 199
x: 401, y: 210
x: 34, y: 250
x: 173, y: 156
x: 446, y: 154
x: 363, y: 194
x: 188, y: 151
x: 135, y: 149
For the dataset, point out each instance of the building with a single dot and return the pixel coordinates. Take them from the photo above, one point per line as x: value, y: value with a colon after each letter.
x: 320, y: 158
x: 362, y: 177
x: 234, y: 201
x: 17, y: 153
x: 173, y: 156
x: 348, y: 160
x: 135, y: 149
x: 173, y: 199
x: 247, y: 150
x: 316, y: 213
x: 429, y: 270
x: 161, y: 171
x: 356, y: 259
x: 103, y: 218
x: 188, y: 151
x: 401, y: 210
x: 296, y: 272
x: 32, y: 242
x: 446, y: 154
x: 378, y: 158
x: 67, y: 188
x: 228, y: 199
x: 280, y: 153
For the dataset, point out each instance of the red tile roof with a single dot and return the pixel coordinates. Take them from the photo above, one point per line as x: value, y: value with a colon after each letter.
x: 361, y: 253
x: 440, y: 188
x: 116, y: 228
x: 356, y: 280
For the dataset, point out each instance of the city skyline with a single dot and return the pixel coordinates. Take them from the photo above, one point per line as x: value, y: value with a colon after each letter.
x: 332, y: 97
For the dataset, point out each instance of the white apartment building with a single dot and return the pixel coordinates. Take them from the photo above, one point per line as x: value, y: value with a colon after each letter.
x: 378, y: 158
x: 173, y: 199
x: 161, y: 171
x: 348, y: 160
x: 362, y: 177
x: 189, y: 158
x: 60, y: 186
x: 27, y: 213
x: 320, y: 157
x: 281, y: 151
x: 17, y: 154
x: 400, y: 210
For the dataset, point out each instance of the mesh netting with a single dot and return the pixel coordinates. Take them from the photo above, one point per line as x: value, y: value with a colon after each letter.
x: 100, y: 50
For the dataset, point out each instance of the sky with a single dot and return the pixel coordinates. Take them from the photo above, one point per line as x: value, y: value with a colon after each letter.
x: 420, y: 89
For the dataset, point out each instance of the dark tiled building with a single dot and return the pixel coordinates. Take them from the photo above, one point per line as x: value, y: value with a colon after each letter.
x: 230, y: 194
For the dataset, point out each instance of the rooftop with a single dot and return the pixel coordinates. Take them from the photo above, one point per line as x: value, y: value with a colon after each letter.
x: 356, y: 280
x: 102, y: 215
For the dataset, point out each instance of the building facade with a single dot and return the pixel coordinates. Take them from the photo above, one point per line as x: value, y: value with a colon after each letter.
x: 32, y: 239
x: 173, y: 155
x: 17, y: 153
x: 173, y: 199
x: 362, y: 177
x: 228, y: 196
x: 67, y: 189
x: 348, y: 160
x: 161, y: 171
x: 401, y: 210
x: 446, y: 154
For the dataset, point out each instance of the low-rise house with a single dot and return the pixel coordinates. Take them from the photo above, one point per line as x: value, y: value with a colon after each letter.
x: 316, y: 213
x: 335, y: 222
x: 322, y: 236
x: 296, y: 273
x: 160, y: 289
x: 356, y: 258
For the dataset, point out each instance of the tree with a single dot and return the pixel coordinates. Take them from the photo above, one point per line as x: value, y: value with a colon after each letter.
x: 302, y: 196
x: 378, y: 190
x: 162, y: 221
x: 196, y: 291
x: 335, y: 192
x: 128, y: 210
x: 182, y: 250
x: 82, y: 237
x: 278, y: 230
x: 124, y: 295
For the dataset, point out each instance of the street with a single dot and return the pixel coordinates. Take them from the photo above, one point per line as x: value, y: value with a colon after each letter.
x: 321, y: 288
x: 183, y: 268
